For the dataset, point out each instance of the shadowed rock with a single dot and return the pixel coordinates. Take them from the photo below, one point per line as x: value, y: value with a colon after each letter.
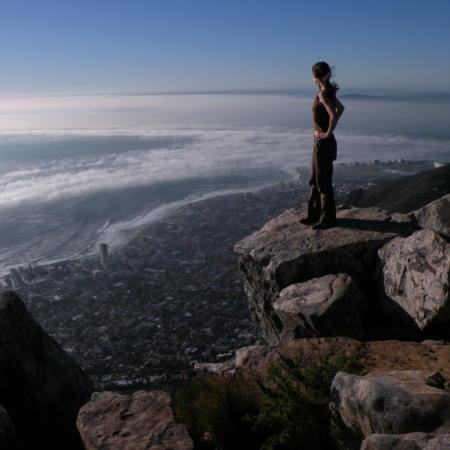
x: 416, y: 273
x: 388, y: 403
x: 329, y: 306
x: 41, y: 387
x: 8, y: 437
x: 285, y: 252
x: 141, y: 421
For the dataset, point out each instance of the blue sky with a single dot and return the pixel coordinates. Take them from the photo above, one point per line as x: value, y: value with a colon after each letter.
x: 102, y: 46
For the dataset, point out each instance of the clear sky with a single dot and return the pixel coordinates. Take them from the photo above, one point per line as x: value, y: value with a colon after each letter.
x: 102, y: 46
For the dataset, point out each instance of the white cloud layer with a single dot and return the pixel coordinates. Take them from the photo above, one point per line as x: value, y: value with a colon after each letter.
x: 174, y: 137
x: 208, y: 152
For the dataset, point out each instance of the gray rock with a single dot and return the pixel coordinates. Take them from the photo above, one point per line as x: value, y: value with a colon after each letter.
x: 435, y: 216
x: 218, y: 368
x: 285, y: 252
x: 322, y: 307
x: 8, y: 437
x: 412, y: 441
x: 431, y: 343
x: 141, y: 421
x: 416, y: 274
x: 41, y: 387
x: 398, y: 402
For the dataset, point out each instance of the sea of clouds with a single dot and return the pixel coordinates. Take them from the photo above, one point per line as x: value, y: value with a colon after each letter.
x: 166, y: 155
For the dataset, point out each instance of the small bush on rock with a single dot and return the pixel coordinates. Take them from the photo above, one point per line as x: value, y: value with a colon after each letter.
x: 289, y: 412
x: 295, y: 409
x: 213, y: 411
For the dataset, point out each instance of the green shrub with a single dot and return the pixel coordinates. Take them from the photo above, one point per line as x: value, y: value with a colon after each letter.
x: 213, y: 411
x: 289, y: 412
x: 295, y: 410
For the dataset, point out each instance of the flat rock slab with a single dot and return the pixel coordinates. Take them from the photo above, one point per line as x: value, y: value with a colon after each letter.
x: 142, y: 421
x: 41, y: 387
x: 375, y: 355
x: 416, y: 273
x: 435, y: 216
x: 285, y: 252
x: 396, y: 402
x: 412, y: 441
x: 329, y: 306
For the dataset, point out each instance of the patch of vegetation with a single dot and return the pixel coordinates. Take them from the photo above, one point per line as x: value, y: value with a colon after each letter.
x: 289, y: 412
x: 214, y: 409
x: 295, y: 409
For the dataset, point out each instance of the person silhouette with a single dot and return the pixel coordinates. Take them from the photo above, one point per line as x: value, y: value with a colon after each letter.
x: 327, y: 110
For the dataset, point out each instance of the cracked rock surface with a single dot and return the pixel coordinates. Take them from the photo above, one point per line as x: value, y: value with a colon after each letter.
x: 395, y: 402
x: 285, y: 252
x: 435, y: 216
x: 416, y: 273
x: 141, y: 421
x: 329, y: 306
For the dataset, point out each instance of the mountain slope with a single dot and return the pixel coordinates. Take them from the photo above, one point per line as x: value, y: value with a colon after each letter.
x: 405, y: 194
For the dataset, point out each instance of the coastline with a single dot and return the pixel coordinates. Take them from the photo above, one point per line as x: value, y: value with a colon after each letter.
x: 167, y: 210
x: 121, y: 234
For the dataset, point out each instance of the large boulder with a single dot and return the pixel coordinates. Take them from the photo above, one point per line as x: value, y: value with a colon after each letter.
x: 329, y: 306
x: 416, y: 273
x: 140, y: 421
x: 398, y: 402
x: 285, y: 252
x: 41, y: 387
x: 435, y: 216
x: 8, y: 436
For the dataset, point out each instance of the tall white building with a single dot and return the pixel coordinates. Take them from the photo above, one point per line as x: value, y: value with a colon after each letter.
x: 103, y: 253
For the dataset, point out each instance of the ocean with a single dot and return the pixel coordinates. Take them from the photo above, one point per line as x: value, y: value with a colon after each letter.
x: 78, y: 171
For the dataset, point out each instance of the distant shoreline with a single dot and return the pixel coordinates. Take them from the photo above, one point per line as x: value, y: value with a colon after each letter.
x: 121, y: 234
x: 166, y: 211
x: 175, y: 209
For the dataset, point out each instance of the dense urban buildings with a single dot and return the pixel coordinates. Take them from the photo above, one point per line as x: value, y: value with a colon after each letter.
x: 173, y: 296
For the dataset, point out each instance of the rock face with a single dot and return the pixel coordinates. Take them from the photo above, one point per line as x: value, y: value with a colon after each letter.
x: 412, y: 441
x: 388, y: 403
x: 435, y: 216
x: 416, y: 273
x: 141, y: 421
x: 8, y: 437
x: 329, y: 306
x: 303, y: 283
x: 41, y: 387
x: 285, y: 252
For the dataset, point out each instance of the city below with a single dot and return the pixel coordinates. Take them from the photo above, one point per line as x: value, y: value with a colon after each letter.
x: 174, y: 295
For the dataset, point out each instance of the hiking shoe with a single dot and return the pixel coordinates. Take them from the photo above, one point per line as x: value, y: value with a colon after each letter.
x: 323, y: 225
x: 308, y: 221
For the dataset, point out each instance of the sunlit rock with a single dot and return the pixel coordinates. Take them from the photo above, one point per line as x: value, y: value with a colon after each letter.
x: 416, y: 273
x: 398, y: 402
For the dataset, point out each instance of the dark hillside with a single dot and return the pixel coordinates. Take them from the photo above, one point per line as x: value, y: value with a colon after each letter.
x: 405, y: 194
